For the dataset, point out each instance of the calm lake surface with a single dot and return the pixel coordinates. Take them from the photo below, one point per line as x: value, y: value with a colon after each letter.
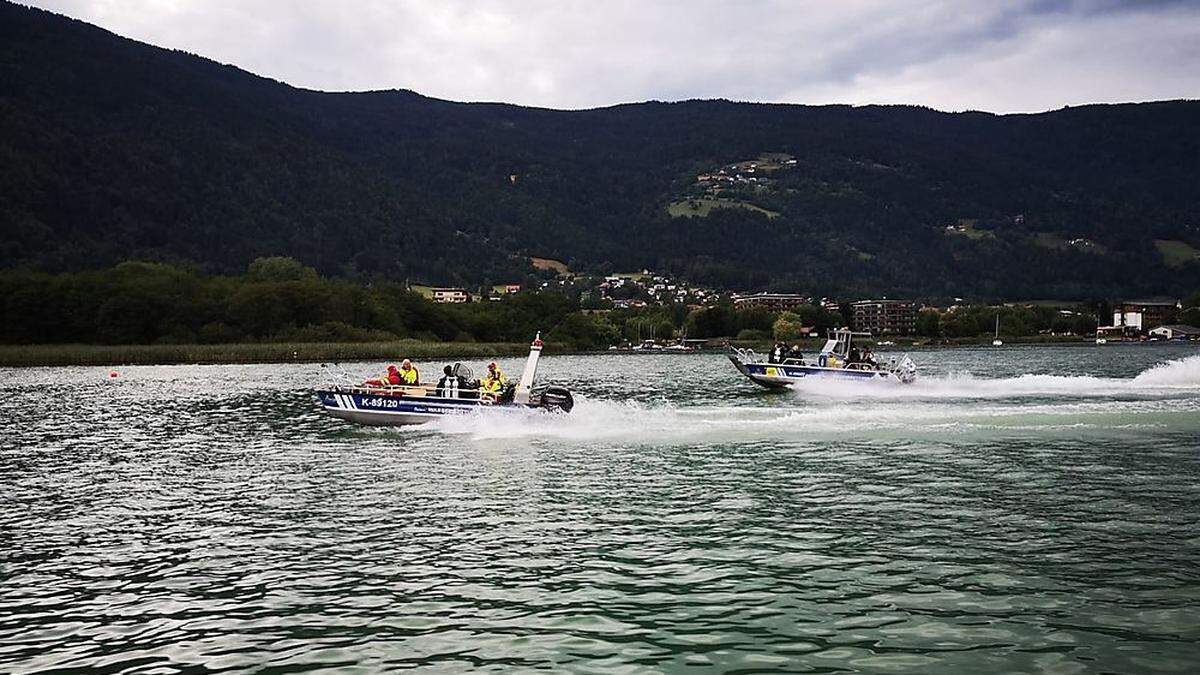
x: 1018, y: 509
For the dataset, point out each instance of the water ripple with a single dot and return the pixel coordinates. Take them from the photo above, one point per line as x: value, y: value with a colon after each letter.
x: 210, y: 518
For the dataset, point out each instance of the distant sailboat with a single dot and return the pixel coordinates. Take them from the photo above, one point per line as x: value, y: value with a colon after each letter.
x: 996, y: 342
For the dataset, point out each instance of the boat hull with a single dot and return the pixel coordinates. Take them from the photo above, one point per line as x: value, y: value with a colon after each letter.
x: 773, y: 375
x: 373, y: 409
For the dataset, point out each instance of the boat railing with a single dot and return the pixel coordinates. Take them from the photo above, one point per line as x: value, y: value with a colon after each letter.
x: 396, y: 389
x: 747, y: 355
x: 340, y: 376
x: 902, y: 368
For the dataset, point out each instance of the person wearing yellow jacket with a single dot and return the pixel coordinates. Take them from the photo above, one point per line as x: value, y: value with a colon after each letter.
x: 492, y: 385
x: 409, y: 375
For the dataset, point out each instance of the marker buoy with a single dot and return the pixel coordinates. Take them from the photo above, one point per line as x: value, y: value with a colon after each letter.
x: 113, y: 374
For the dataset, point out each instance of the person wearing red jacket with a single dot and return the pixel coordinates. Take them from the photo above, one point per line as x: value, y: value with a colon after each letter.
x: 390, y: 378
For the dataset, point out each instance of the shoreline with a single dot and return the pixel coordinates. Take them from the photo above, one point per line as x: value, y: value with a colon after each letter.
x: 43, y: 355
x: 813, y: 344
x: 50, y: 355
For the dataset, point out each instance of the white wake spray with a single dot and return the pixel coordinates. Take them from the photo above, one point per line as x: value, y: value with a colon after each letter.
x: 955, y: 404
x: 1178, y: 373
x: 1165, y: 379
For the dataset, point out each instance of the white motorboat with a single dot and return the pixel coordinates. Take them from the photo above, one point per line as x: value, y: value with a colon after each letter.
x: 405, y: 405
x: 834, y: 361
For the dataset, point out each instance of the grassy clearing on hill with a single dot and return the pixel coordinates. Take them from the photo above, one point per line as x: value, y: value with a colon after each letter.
x: 702, y: 207
x: 114, y: 355
x: 1176, y: 253
x: 1054, y: 241
x: 550, y: 264
x: 966, y: 228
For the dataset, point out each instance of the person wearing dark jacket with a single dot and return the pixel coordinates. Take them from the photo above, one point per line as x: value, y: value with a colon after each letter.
x: 868, y: 357
x: 451, y: 385
x: 796, y: 355
x: 777, y: 354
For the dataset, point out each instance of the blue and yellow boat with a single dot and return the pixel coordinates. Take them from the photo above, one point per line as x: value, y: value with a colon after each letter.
x: 834, y: 361
x: 404, y: 405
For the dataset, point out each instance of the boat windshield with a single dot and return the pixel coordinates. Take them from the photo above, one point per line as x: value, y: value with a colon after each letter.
x: 839, y: 343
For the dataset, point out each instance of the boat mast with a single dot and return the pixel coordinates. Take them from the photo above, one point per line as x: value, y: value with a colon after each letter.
x: 527, y: 375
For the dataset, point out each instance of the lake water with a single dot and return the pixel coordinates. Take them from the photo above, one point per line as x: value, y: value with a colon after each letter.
x: 1030, y: 509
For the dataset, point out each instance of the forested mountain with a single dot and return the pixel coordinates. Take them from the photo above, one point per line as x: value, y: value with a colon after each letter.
x: 113, y: 150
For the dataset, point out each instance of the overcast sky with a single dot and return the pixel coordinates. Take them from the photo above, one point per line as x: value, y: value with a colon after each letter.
x: 998, y: 55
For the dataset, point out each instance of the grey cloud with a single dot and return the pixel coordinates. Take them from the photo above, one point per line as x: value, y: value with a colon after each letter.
x: 1002, y: 56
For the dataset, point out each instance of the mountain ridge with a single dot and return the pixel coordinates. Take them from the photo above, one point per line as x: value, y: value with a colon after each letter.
x: 117, y: 150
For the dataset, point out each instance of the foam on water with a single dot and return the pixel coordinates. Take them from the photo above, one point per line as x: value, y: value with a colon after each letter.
x: 957, y: 403
x: 183, y: 518
x: 1177, y: 373
x: 1167, y: 379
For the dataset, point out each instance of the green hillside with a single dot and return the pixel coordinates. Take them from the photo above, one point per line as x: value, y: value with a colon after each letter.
x: 115, y: 150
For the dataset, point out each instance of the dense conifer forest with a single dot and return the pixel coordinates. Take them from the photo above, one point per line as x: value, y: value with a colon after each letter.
x: 113, y: 150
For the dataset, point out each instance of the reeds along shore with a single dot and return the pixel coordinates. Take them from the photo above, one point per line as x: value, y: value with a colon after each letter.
x: 114, y: 355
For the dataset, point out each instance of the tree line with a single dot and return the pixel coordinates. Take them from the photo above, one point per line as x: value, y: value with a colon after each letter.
x: 277, y: 299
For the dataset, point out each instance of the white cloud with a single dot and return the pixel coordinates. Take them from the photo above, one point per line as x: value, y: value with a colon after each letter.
x: 948, y: 54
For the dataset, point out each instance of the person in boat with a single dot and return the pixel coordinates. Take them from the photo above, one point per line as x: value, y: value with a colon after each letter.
x: 409, y: 375
x: 391, y: 378
x: 493, y: 385
x: 868, y: 357
x: 777, y: 353
x: 451, y: 385
x: 855, y: 357
x: 794, y: 354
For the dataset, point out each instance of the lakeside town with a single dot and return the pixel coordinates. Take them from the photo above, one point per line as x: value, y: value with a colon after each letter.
x: 796, y: 315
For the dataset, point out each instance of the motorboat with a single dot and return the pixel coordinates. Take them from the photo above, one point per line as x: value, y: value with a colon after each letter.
x: 405, y: 405
x: 833, y: 361
x: 679, y: 348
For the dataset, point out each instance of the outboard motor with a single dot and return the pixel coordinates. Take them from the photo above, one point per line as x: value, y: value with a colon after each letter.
x: 464, y: 371
x: 507, y: 394
x: 905, y: 370
x: 556, y: 398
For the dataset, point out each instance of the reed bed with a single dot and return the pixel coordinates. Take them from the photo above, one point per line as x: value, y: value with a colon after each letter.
x: 115, y: 355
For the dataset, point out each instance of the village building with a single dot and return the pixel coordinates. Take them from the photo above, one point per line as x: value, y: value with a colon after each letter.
x: 775, y: 302
x: 1144, y: 314
x: 1118, y: 333
x: 450, y: 295
x: 885, y: 317
x: 830, y: 305
x: 1175, y: 332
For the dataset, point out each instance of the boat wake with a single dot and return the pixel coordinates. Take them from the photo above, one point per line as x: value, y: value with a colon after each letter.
x: 1180, y: 373
x: 1165, y: 396
x: 1168, y: 379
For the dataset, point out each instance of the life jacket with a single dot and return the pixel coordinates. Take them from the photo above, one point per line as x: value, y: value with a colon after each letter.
x: 498, y: 376
x: 410, y: 376
x: 492, y: 385
x: 392, y: 377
